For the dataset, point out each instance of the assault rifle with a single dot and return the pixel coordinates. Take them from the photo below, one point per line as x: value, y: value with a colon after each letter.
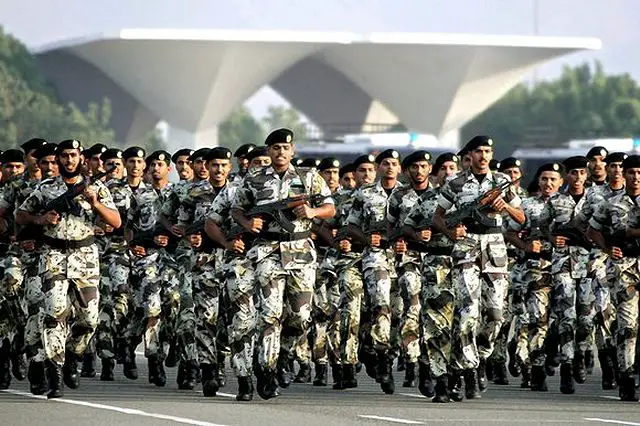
x: 280, y: 211
x: 197, y: 227
x: 65, y: 203
x: 573, y: 234
x: 476, y: 210
x: 630, y: 246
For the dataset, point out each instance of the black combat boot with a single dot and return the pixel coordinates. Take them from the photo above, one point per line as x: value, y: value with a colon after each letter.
x: 384, y: 372
x: 409, y: 375
x: 551, y: 344
x: 129, y: 367
x: 455, y: 385
x: 608, y: 370
x: 321, y: 375
x: 337, y: 375
x: 5, y: 365
x: 500, y: 374
x: 514, y: 364
x: 157, y: 375
x: 70, y: 370
x: 283, y: 373
x: 267, y: 386
x: 210, y: 384
x: 566, y: 379
x: 482, y: 375
x: 304, y: 373
x: 441, y: 393
x: 488, y: 372
x: 172, y: 355
x: 349, y: 376
x: 471, y: 389
x: 579, y: 369
x: 54, y: 374
x: 222, y: 371
x: 161, y: 378
x: 538, y: 379
x: 526, y: 376
x: 425, y: 383
x: 188, y: 377
x: 245, y: 389
x: 88, y: 365
x: 589, y: 361
x: 18, y: 359
x: 37, y: 378
x: 368, y: 357
x: 106, y: 375
x: 627, y: 388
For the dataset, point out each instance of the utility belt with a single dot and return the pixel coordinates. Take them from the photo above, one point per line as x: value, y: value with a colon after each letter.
x: 63, y: 245
x: 478, y: 229
x: 284, y: 237
x: 543, y: 255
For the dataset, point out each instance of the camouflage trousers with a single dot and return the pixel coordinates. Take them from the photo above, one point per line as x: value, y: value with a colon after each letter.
x: 207, y: 286
x: 626, y: 296
x: 114, y: 303
x: 351, y: 285
x: 277, y: 285
x: 538, y: 303
x: 13, y: 317
x: 605, y: 312
x: 70, y: 282
x: 326, y: 317
x: 410, y: 284
x: 34, y: 305
x: 240, y: 282
x: 437, y: 313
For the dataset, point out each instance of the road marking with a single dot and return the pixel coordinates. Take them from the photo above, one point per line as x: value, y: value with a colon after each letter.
x: 121, y: 410
x: 413, y: 395
x: 616, y: 398
x: 616, y: 422
x: 390, y: 419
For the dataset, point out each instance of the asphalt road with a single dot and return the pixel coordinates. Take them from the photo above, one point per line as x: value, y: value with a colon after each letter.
x: 137, y: 403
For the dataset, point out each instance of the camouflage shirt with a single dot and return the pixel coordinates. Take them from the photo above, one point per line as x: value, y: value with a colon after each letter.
x: 146, y: 204
x: 220, y: 211
x: 593, y: 196
x: 421, y: 216
x: 533, y: 228
x: 369, y: 208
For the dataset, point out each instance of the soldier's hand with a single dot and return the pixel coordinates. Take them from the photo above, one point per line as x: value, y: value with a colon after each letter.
x: 534, y: 246
x: 49, y: 218
x: 28, y: 245
x: 255, y: 225
x: 161, y: 240
x: 499, y: 204
x: 195, y: 240
x: 305, y: 211
x: 400, y: 246
x: 459, y: 233
x: 345, y: 246
x: 108, y: 228
x: 99, y: 231
x: 236, y: 245
x: 616, y: 253
x: 91, y: 196
x: 375, y: 240
x: 425, y: 234
x: 176, y: 230
x: 559, y: 241
x: 314, y: 236
x: 138, y: 251
x: 334, y: 232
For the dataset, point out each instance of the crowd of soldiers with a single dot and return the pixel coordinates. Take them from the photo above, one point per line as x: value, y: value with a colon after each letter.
x: 444, y: 266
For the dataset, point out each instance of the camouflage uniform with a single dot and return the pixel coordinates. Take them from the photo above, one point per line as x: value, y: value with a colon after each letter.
x: 480, y: 268
x: 285, y: 263
x: 71, y: 273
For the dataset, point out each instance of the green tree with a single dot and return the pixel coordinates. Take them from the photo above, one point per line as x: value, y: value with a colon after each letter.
x: 240, y: 128
x: 282, y: 116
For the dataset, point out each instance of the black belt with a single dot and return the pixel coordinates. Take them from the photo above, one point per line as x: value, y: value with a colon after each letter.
x: 60, y: 244
x: 440, y: 251
x: 284, y: 237
x: 543, y: 255
x: 478, y: 229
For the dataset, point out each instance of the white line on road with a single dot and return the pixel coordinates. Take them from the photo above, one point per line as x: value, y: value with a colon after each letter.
x: 390, y: 419
x: 122, y: 410
x: 616, y: 422
x: 615, y: 398
x: 413, y: 395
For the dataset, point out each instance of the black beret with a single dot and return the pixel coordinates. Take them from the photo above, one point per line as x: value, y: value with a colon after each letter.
x: 181, y: 153
x: 111, y: 153
x: 616, y: 157
x: 464, y: 151
x: 296, y: 161
x: 32, y: 144
x: 494, y: 165
x: 12, y: 156
x: 260, y: 151
x: 133, y: 151
x: 364, y: 159
x: 550, y: 167
x: 478, y: 141
x: 329, y: 163
x: 45, y: 150
x: 69, y: 144
x: 348, y: 168
x: 244, y: 150
x: 159, y: 155
x: 279, y: 136
x: 218, y: 153
x: 199, y: 153
x: 388, y: 153
x: 631, y: 162
x: 597, y: 150
x: 444, y: 158
x: 96, y: 149
x: 509, y: 163
x: 414, y: 157
x: 309, y: 163
x: 575, y: 162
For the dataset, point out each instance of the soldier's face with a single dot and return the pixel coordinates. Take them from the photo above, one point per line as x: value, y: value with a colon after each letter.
x: 95, y: 162
x: 159, y: 170
x: 448, y: 168
x: 514, y: 173
x: 597, y: 167
x: 200, y: 169
x: 183, y: 168
x: 365, y: 173
x: 419, y: 171
x: 549, y: 183
x: 632, y: 178
x: 49, y: 166
x: 332, y: 177
x: 70, y: 159
x: 466, y: 162
x: 10, y: 170
x: 280, y: 154
x: 480, y: 159
x: 614, y: 171
x: 32, y: 162
x: 118, y: 172
x: 219, y: 170
x: 389, y: 168
x: 260, y: 162
x: 135, y: 167
x: 243, y: 163
x: 576, y: 178
x: 348, y: 181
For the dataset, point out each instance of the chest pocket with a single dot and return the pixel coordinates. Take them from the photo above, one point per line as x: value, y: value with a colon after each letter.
x: 297, y: 186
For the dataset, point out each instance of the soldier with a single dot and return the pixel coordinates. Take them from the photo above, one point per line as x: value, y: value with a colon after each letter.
x: 597, y: 165
x: 69, y: 263
x: 480, y: 258
x: 183, y: 165
x: 368, y: 225
x: 347, y: 177
x: 285, y: 261
x: 533, y: 288
x: 94, y: 158
x: 241, y: 156
x: 29, y: 147
x: 615, y: 228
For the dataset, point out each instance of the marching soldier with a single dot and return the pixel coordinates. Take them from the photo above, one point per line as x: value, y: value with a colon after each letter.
x: 184, y: 168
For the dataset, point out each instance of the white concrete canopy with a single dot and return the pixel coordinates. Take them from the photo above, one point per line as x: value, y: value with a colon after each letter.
x: 432, y: 83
